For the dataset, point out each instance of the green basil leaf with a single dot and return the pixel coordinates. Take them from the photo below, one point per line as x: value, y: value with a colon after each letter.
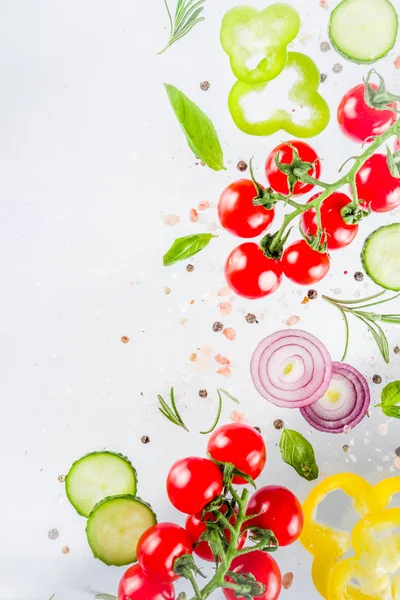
x: 391, y: 411
x: 298, y: 452
x: 185, y: 247
x: 105, y: 597
x: 391, y: 394
x: 198, y: 129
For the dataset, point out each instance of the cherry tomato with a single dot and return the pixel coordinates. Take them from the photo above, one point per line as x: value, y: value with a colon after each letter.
x: 278, y: 180
x: 265, y: 570
x: 278, y: 510
x: 195, y: 527
x: 338, y: 233
x: 134, y: 585
x: 303, y: 265
x: 238, y: 215
x: 359, y: 121
x: 376, y: 185
x: 159, y: 547
x: 240, y: 445
x: 192, y: 483
x: 250, y: 273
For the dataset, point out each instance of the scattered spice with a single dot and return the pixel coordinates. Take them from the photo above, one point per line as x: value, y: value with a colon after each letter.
x: 242, y: 166
x: 337, y: 68
x: 325, y: 46
x: 189, y: 268
x: 203, y: 393
x: 237, y: 417
x: 305, y: 300
x: 346, y: 448
x: 61, y: 478
x: 287, y: 580
x: 278, y: 424
x: 225, y: 308
x: 225, y: 291
x: 323, y: 77
x: 217, y: 327
x: 193, y: 215
x: 193, y: 357
x: 257, y: 429
x: 205, y: 86
x: 358, y: 276
x: 293, y: 320
x: 323, y: 4
x: 397, y: 62
x: 167, y: 290
x: 396, y: 349
x: 397, y: 451
x: 225, y: 371
x: 222, y: 360
x: 229, y: 333
x: 171, y: 220
x: 65, y: 550
x: 312, y: 294
x: 250, y: 318
x: 145, y: 439
x: 124, y: 339
x: 53, y: 534
x: 377, y: 379
x: 203, y: 205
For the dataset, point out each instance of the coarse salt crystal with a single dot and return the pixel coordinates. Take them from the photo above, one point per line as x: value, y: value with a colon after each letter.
x: 238, y: 417
x: 203, y: 205
x: 229, y: 333
x: 171, y: 220
x: 293, y: 320
x: 222, y: 360
x: 224, y: 371
x: 193, y: 215
x: 225, y: 308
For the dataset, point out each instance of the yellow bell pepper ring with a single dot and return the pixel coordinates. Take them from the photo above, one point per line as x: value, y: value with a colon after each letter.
x: 259, y: 37
x: 303, y: 94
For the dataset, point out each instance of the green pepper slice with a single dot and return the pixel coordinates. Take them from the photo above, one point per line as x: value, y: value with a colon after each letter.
x: 303, y: 93
x: 256, y: 41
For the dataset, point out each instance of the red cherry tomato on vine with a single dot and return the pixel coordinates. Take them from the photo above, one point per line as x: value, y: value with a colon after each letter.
x: 278, y: 510
x: 359, y: 121
x: 240, y: 445
x: 376, y: 185
x: 250, y: 273
x: 278, y: 180
x: 303, y: 265
x: 265, y: 570
x: 338, y: 233
x: 238, y: 215
x: 134, y: 585
x: 192, y: 483
x: 159, y: 547
x: 195, y: 527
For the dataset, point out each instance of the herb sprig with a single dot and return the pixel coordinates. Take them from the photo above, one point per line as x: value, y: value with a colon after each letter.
x: 370, y: 319
x: 187, y: 15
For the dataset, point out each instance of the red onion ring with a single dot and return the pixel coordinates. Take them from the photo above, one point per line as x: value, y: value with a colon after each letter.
x: 291, y: 369
x: 345, y: 403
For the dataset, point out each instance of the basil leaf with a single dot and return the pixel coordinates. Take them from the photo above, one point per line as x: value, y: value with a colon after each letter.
x: 390, y: 397
x: 198, y: 129
x: 105, y: 597
x: 185, y: 247
x: 297, y: 452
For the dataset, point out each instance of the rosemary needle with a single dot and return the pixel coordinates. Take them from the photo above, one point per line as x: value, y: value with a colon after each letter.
x: 219, y: 410
x: 187, y: 15
x: 171, y: 412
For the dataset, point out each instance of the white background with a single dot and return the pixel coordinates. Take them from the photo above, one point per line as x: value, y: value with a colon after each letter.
x: 92, y: 159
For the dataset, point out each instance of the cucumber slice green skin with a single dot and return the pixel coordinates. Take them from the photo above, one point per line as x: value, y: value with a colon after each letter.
x: 356, y: 59
x: 115, y: 526
x: 382, y: 249
x: 98, y: 475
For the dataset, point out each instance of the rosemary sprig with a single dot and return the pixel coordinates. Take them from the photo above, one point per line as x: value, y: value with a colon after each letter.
x: 219, y: 410
x: 187, y: 15
x: 171, y: 412
x: 370, y: 319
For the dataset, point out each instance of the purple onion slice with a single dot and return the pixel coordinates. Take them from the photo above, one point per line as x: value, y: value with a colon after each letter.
x: 344, y: 404
x: 291, y: 369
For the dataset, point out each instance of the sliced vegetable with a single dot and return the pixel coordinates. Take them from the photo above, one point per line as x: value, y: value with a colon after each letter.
x: 198, y: 129
x: 247, y: 33
x: 291, y: 369
x: 363, y: 31
x: 297, y: 452
x: 96, y: 476
x: 185, y: 247
x: 303, y: 97
x: 115, y: 526
x: 381, y: 256
x: 345, y: 403
x: 390, y: 400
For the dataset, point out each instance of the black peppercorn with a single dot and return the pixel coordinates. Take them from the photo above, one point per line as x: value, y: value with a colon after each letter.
x: 217, y: 326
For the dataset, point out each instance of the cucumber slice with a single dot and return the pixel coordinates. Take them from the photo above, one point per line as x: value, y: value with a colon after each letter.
x: 96, y: 476
x: 381, y: 256
x: 115, y: 526
x: 364, y: 31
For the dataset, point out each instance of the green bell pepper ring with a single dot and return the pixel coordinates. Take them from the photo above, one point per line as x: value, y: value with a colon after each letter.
x: 303, y: 93
x: 259, y: 37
